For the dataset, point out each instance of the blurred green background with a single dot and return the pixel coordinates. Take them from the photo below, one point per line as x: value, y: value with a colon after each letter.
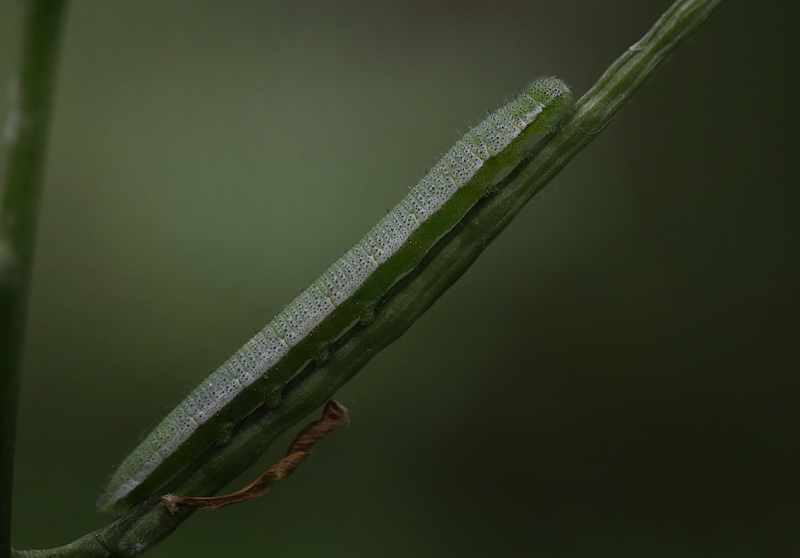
x: 616, y: 376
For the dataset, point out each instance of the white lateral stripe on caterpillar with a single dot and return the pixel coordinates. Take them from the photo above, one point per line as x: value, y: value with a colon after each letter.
x: 336, y: 285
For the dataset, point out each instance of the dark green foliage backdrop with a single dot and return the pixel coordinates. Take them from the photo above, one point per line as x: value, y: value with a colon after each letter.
x: 616, y: 376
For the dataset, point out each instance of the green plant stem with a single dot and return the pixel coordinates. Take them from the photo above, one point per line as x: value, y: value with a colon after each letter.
x: 26, y: 143
x: 149, y: 522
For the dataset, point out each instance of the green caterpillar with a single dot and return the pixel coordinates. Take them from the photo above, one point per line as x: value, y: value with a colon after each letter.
x: 339, y: 298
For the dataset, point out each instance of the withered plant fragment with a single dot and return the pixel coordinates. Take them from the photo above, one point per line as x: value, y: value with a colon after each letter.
x: 333, y: 415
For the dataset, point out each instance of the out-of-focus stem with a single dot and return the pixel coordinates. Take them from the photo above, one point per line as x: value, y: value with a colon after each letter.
x: 25, y: 141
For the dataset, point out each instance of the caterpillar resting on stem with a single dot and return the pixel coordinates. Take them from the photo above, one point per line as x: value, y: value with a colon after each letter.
x: 341, y: 297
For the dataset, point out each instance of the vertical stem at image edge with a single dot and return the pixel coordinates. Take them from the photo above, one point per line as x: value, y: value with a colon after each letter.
x: 25, y: 143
